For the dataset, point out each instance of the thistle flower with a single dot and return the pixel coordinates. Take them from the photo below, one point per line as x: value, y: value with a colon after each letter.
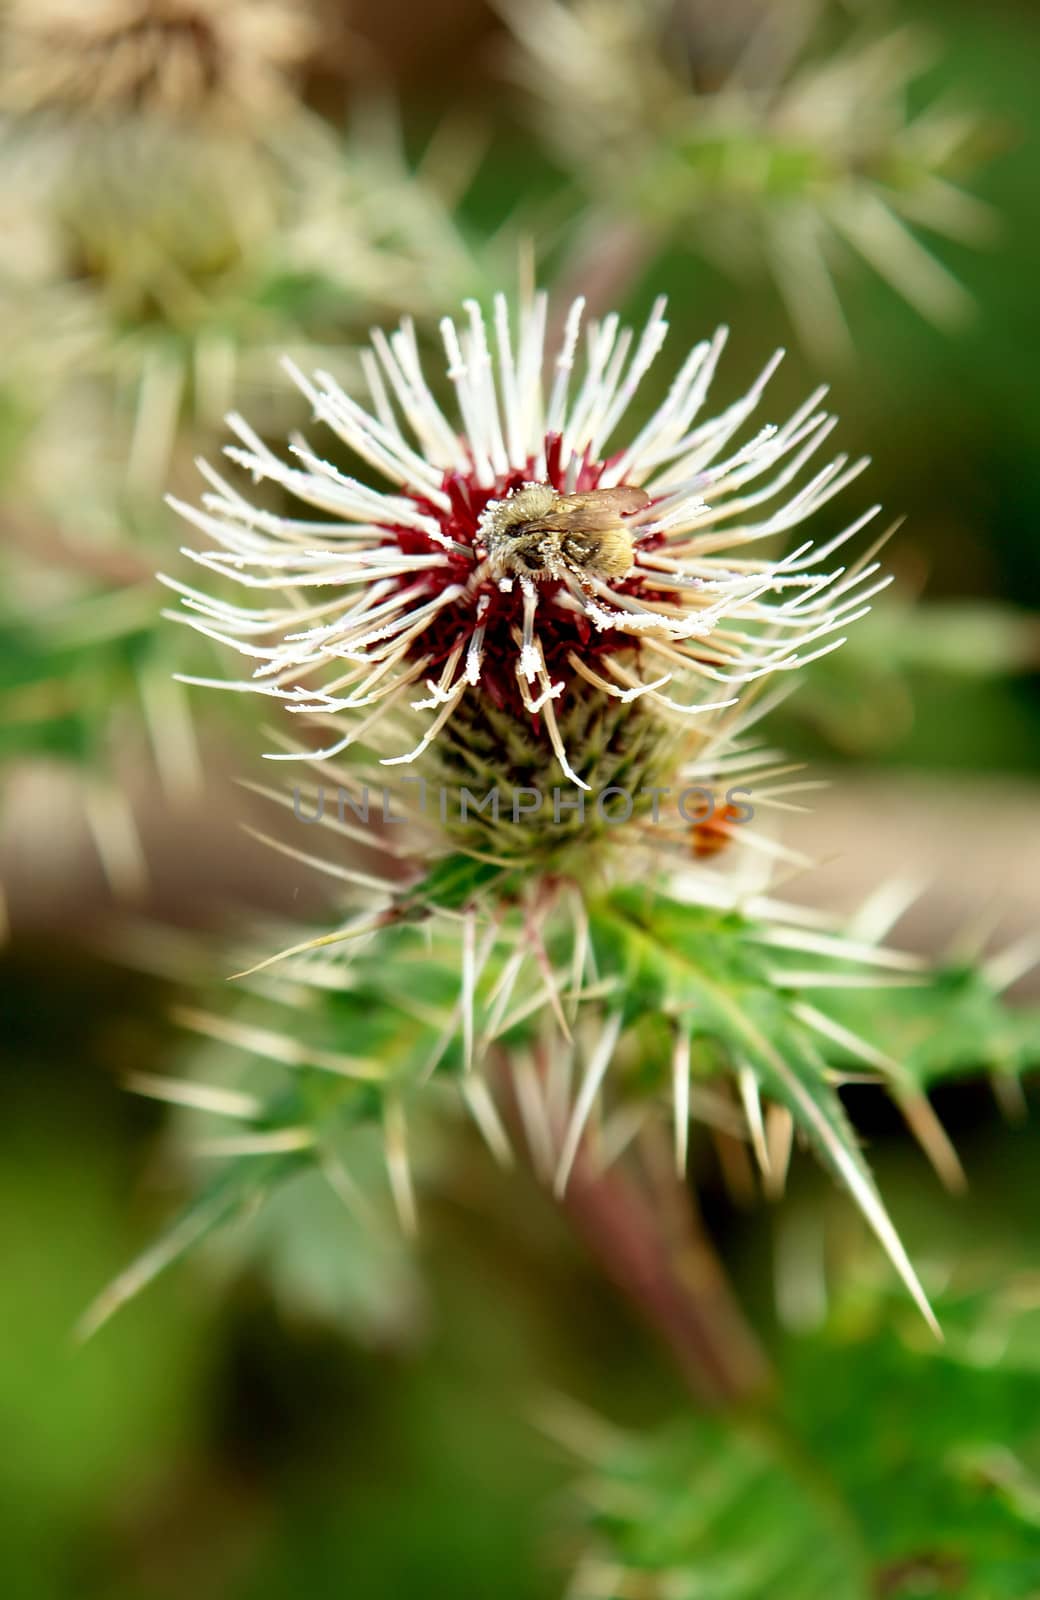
x: 159, y: 166
x: 143, y: 134
x: 179, y: 58
x: 531, y: 595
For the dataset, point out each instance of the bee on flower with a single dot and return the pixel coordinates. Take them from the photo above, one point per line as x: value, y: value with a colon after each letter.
x: 519, y: 588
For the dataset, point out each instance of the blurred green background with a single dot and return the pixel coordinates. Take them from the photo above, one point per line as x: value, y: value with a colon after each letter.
x: 296, y: 1418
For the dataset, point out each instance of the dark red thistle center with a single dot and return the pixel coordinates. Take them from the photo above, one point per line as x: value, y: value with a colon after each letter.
x: 563, y: 630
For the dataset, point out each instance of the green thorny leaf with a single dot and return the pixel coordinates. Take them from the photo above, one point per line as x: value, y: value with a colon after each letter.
x: 834, y: 1495
x: 571, y: 1015
x: 703, y: 1510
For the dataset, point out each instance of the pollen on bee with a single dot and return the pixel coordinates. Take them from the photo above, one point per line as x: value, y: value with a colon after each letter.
x: 538, y: 533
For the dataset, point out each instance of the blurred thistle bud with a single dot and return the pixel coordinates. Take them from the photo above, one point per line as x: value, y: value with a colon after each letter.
x: 159, y: 167
x: 143, y: 129
x: 187, y: 60
x: 537, y: 598
x: 783, y: 153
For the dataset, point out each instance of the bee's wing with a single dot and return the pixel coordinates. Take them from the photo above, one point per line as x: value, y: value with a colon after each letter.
x: 599, y: 508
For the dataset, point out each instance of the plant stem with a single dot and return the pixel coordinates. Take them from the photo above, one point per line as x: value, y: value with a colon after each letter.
x: 654, y: 1248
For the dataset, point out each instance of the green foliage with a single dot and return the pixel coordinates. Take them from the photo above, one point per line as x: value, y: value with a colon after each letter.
x: 890, y: 1464
x: 59, y: 690
x: 721, y: 1510
x: 81, y: 1423
x: 353, y: 1039
x: 957, y: 1025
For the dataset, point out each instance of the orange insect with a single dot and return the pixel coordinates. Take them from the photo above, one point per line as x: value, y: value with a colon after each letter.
x: 710, y: 837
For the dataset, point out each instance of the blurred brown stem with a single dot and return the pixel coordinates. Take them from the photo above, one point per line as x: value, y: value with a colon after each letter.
x: 651, y: 1242
x: 44, y: 544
